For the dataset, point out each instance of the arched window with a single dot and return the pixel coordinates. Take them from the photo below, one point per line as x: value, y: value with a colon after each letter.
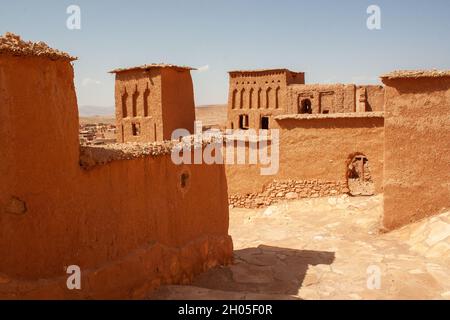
x: 268, y: 102
x: 145, y: 97
x: 234, y: 99
x: 259, y: 98
x: 277, y: 98
x: 250, y: 98
x: 242, y: 100
x: 124, y: 104
x: 135, y: 99
x: 359, y: 179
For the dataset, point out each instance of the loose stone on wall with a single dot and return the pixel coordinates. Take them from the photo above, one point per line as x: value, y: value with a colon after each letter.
x: 277, y: 191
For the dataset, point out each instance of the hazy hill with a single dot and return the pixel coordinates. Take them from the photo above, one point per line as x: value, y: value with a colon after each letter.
x: 209, y: 114
x: 89, y: 111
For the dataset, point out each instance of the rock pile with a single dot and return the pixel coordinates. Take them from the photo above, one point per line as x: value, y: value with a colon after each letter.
x: 278, y: 191
x: 14, y: 45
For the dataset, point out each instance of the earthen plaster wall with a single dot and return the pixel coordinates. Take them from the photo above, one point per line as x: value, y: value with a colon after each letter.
x: 417, y: 148
x: 316, y: 149
x: 156, y: 100
x: 178, y: 106
x: 139, y: 90
x: 375, y: 97
x: 331, y: 97
x: 130, y: 224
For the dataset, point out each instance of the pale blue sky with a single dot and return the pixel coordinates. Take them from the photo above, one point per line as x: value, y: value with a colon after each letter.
x: 328, y: 39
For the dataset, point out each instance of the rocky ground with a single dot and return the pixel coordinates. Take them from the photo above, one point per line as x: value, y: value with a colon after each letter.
x: 327, y: 248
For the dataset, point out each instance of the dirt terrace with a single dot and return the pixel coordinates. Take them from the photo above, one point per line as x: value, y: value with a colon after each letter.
x: 322, y: 249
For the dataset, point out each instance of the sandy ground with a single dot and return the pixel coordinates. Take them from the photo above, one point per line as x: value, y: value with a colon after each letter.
x: 212, y: 115
x: 327, y: 248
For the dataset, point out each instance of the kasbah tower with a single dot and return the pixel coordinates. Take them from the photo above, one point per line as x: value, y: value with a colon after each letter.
x: 152, y: 101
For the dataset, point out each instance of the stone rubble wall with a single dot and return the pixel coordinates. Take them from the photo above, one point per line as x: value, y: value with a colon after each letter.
x: 277, y: 191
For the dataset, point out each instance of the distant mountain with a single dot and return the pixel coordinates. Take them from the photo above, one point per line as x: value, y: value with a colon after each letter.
x: 89, y: 111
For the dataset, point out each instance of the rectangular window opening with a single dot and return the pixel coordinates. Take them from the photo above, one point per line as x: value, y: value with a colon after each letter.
x: 265, y: 123
x: 136, y: 129
x: 243, y: 121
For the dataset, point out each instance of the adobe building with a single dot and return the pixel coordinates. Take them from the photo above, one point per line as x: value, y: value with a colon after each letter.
x: 132, y: 220
x: 129, y: 218
x: 153, y: 100
x: 336, y: 138
x: 257, y: 97
x: 331, y: 135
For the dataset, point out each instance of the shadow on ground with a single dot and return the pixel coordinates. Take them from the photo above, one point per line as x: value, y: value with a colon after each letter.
x: 264, y: 270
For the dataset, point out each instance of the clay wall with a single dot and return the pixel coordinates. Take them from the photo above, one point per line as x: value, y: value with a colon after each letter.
x: 138, y: 102
x: 178, y: 106
x: 316, y: 149
x: 417, y: 148
x: 129, y: 224
x: 375, y: 98
x: 330, y: 98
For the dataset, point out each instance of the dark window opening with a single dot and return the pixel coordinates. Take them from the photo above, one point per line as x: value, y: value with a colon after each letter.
x: 124, y: 105
x: 243, y: 121
x: 233, y: 102
x: 265, y: 123
x: 136, y: 129
x: 326, y: 111
x: 146, y: 95
x: 135, y: 99
x: 305, y: 106
x: 184, y: 180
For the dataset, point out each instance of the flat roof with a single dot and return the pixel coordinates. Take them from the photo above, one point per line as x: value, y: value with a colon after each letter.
x: 153, y: 66
x: 415, y: 74
x: 12, y: 44
x: 375, y: 114
x: 263, y: 70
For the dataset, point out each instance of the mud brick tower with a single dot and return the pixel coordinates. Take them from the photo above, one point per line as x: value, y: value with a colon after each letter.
x: 153, y: 100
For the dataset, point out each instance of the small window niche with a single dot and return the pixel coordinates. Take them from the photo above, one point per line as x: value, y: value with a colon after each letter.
x: 136, y: 129
x: 243, y: 122
x: 265, y: 123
